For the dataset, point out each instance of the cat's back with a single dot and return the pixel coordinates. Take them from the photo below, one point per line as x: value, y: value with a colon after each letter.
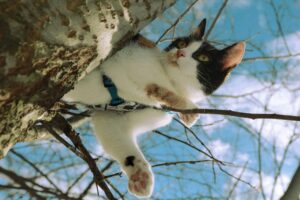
x: 141, y: 65
x: 134, y: 59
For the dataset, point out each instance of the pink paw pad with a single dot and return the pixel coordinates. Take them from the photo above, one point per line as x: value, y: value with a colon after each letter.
x: 140, y: 181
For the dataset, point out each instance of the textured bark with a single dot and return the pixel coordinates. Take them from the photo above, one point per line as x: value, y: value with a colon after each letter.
x: 46, y: 46
x: 293, y: 190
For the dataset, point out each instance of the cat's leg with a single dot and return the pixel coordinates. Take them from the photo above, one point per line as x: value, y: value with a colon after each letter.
x: 117, y: 141
x: 171, y: 99
x: 117, y: 133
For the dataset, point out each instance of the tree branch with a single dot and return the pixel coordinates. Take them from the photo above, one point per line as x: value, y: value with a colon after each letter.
x: 79, y: 150
x: 236, y: 114
x: 262, y: 58
x: 22, y: 182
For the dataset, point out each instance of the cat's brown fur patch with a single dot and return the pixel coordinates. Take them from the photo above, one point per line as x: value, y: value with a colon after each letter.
x: 172, y: 100
x: 145, y: 42
x: 165, y: 96
x: 189, y: 119
x: 142, y: 41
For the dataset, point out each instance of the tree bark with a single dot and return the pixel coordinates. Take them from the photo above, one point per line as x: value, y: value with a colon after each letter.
x: 46, y: 46
x: 293, y: 190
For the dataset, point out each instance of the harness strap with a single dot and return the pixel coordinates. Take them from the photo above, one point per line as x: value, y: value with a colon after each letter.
x: 112, y: 89
x: 117, y: 103
x: 122, y: 108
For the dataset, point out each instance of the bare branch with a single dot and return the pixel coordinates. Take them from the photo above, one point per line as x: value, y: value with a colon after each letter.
x: 216, y: 19
x: 80, y: 150
x: 22, y: 182
x: 177, y: 20
x: 237, y: 114
x: 263, y: 58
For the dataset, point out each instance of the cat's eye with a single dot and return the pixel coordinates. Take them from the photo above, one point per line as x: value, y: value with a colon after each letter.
x: 181, y: 44
x: 203, y: 58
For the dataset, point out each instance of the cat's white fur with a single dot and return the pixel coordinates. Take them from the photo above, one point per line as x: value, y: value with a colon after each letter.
x: 131, y: 70
x: 135, y: 67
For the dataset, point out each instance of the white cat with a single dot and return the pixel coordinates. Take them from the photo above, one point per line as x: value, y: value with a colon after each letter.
x: 178, y: 77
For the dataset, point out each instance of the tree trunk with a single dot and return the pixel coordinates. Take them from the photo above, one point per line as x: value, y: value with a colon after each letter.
x: 46, y: 46
x: 293, y: 190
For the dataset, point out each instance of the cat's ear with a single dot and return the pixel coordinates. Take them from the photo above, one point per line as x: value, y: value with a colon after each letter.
x: 233, y: 55
x: 199, y: 31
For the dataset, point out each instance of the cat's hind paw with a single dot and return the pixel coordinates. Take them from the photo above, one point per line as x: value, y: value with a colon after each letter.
x: 140, y: 177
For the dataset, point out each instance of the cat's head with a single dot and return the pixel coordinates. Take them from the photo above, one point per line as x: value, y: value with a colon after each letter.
x: 210, y: 65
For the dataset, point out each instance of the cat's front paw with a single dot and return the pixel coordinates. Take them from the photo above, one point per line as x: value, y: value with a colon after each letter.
x: 140, y: 176
x: 189, y: 119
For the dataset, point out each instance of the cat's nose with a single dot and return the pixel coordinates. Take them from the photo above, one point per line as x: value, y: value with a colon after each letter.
x: 180, y: 53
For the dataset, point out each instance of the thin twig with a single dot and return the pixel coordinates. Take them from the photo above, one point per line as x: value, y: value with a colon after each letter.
x: 263, y: 58
x: 236, y: 182
x: 215, y: 20
x: 36, y: 168
x: 190, y: 145
x: 176, y: 21
x: 280, y: 27
x: 196, y: 137
x: 22, y: 182
x: 181, y: 162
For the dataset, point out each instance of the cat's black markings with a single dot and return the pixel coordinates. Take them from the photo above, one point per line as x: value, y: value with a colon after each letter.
x: 129, y: 161
x: 211, y: 72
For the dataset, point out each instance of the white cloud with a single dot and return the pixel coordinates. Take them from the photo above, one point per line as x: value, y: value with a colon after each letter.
x: 267, y: 185
x: 241, y: 85
x: 219, y: 149
x: 223, y: 151
x: 277, y: 45
x: 277, y: 98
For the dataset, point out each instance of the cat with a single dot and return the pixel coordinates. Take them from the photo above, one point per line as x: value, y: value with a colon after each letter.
x: 178, y: 77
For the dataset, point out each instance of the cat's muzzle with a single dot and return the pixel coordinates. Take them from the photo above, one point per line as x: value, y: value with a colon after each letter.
x: 180, y: 53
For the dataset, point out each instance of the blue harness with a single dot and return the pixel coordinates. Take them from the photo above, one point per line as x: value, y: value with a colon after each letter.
x: 116, y: 103
x: 112, y: 89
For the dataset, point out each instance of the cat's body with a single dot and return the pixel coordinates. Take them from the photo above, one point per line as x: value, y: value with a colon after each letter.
x: 132, y: 70
x: 151, y: 77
